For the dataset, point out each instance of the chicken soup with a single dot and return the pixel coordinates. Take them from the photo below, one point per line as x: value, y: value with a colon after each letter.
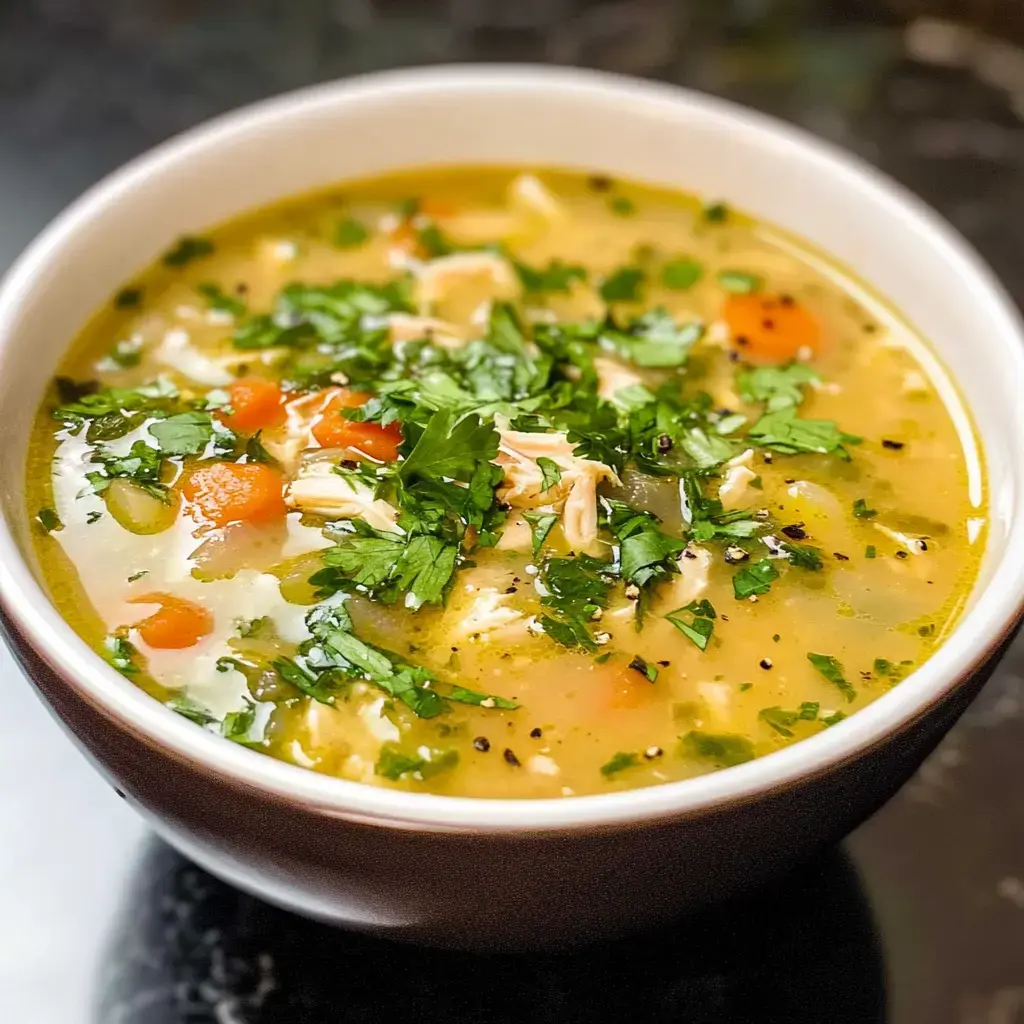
x: 505, y: 484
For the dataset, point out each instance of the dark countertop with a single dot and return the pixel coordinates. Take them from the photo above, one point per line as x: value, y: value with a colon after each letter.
x: 917, y: 919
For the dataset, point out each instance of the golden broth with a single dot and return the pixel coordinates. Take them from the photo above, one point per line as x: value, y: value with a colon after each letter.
x: 862, y: 561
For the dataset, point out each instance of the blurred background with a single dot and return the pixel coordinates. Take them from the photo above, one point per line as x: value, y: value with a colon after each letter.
x: 917, y: 919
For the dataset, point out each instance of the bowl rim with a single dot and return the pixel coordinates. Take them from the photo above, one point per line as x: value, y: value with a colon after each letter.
x: 976, y: 638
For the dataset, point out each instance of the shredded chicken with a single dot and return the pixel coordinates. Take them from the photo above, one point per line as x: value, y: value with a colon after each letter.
x: 436, y: 278
x: 288, y: 443
x: 487, y: 614
x: 318, y: 488
x: 405, y: 327
x: 736, y: 482
x: 613, y: 377
x: 528, y: 193
x: 914, y: 545
x: 177, y: 352
x: 692, y: 581
x: 575, y: 493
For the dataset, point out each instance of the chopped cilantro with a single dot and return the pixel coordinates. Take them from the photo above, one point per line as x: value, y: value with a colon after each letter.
x: 141, y: 464
x: 190, y: 709
x: 654, y: 340
x: 803, y: 556
x: 782, y: 720
x: 832, y: 670
x: 186, y: 433
x: 220, y: 300
x: 350, y: 233
x: 778, y: 386
x: 722, y: 749
x: 128, y: 298
x: 695, y: 622
x: 647, y: 555
x: 94, y: 516
x: 451, y: 448
x: 187, y: 249
x: 541, y: 524
x: 577, y: 589
x: 782, y: 431
x: 49, y: 520
x: 754, y: 579
x: 834, y: 719
x: 620, y: 762
x: 238, y: 725
x: 681, y: 273
x: 861, y: 510
x: 551, y: 474
x: 706, y: 450
x: 623, y: 285
x: 555, y: 277
x: 739, y: 282
x: 395, y: 764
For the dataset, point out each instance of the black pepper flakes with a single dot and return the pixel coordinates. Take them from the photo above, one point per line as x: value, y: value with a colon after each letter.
x: 482, y: 743
x: 652, y: 753
x: 510, y: 758
x: 893, y: 446
x: 839, y: 556
x: 787, y: 300
x: 902, y: 554
x: 511, y: 590
x: 734, y: 554
x: 765, y: 663
x: 687, y: 553
x: 535, y: 734
x: 795, y: 531
x: 767, y: 457
x: 742, y: 340
x: 664, y: 444
x: 600, y: 183
x: 768, y: 324
x: 734, y: 357
x: 664, y: 664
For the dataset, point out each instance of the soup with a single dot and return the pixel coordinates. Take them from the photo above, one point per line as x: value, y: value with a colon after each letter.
x: 505, y: 484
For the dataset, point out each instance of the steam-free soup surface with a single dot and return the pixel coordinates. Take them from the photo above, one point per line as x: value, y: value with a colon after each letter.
x: 505, y: 484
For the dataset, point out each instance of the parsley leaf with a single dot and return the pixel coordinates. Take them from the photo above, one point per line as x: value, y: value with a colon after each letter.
x: 779, y: 386
x: 654, y: 340
x: 395, y: 764
x: 803, y: 556
x: 706, y: 450
x: 646, y: 554
x: 185, y: 433
x: 681, y: 273
x: 754, y: 579
x: 722, y: 749
x: 782, y: 720
x: 861, y: 510
x: 350, y: 233
x: 695, y: 622
x: 551, y: 474
x: 577, y: 588
x: 541, y: 524
x: 620, y: 762
x: 832, y: 670
x: 187, y: 249
x: 424, y: 570
x: 190, y: 709
x: 238, y: 725
x: 460, y: 695
x: 141, y: 464
x: 782, y: 431
x: 220, y: 300
x: 623, y: 285
x: 555, y: 277
x: 255, y: 452
x: 49, y: 520
x: 451, y: 448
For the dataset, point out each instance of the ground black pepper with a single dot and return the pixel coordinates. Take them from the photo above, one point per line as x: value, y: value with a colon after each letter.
x: 482, y: 743
x: 511, y: 758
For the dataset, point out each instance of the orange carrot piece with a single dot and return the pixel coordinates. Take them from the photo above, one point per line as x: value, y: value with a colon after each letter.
x: 333, y: 430
x: 770, y: 328
x: 617, y: 687
x: 256, y: 404
x: 230, y: 492
x: 178, y: 623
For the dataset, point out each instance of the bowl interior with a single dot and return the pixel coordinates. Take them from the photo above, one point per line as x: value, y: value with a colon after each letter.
x: 545, y: 117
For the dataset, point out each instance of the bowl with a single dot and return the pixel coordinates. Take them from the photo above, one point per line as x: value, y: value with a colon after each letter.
x: 507, y: 873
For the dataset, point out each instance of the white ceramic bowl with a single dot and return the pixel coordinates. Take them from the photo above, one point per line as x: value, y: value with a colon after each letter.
x: 463, y: 871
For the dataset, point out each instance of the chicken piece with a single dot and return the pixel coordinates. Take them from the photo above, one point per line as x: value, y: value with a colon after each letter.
x: 319, y: 489
x: 736, y: 482
x: 914, y: 545
x: 528, y: 194
x: 486, y: 615
x: 692, y: 581
x: 613, y: 377
x: 436, y: 279
x: 405, y: 327
x: 177, y: 352
x: 575, y: 494
x: 287, y: 443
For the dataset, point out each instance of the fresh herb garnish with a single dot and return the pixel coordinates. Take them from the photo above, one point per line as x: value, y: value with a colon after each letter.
x: 778, y: 386
x: 395, y: 764
x: 682, y: 273
x: 221, y: 300
x: 551, y: 474
x: 350, y: 233
x: 122, y: 654
x: 541, y: 524
x: 739, y: 282
x: 128, y: 298
x: 555, y: 277
x: 622, y: 206
x: 832, y: 670
x: 782, y: 431
x: 623, y: 285
x: 620, y: 762
x: 576, y: 590
x: 142, y: 464
x: 185, y: 433
x: 861, y: 510
x: 187, y: 249
x: 49, y: 520
x: 753, y: 580
x: 695, y: 622
x: 190, y: 709
x: 782, y: 720
x: 722, y: 749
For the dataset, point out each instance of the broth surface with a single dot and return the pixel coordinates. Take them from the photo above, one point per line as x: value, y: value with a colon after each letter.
x: 506, y: 484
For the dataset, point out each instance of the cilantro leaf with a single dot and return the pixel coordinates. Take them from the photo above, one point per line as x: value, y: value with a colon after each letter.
x: 695, y: 622
x: 782, y: 431
x: 646, y: 554
x: 185, y: 433
x: 577, y: 588
x: 620, y: 762
x: 541, y: 524
x: 424, y: 570
x: 555, y: 277
x: 551, y: 474
x: 238, y: 726
x: 623, y: 285
x: 681, y: 273
x: 832, y: 670
x: 754, y: 579
x: 778, y: 386
x: 722, y: 749
x: 706, y: 450
x: 122, y: 654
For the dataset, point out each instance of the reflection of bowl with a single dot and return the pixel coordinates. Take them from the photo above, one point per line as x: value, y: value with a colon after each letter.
x: 802, y: 950
x: 461, y: 871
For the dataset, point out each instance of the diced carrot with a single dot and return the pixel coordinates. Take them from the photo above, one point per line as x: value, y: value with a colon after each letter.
x: 178, y: 623
x: 333, y: 430
x: 229, y: 492
x: 256, y: 404
x: 616, y: 686
x: 770, y: 328
x: 437, y: 209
